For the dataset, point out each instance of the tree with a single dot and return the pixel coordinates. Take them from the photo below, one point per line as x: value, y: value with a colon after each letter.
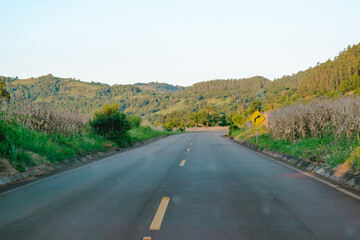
x: 255, y: 105
x: 174, y: 123
x: 351, y: 84
x: 238, y: 119
x: 3, y: 93
x: 112, y: 124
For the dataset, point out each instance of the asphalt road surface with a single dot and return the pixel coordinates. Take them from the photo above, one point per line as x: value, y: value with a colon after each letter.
x: 221, y: 191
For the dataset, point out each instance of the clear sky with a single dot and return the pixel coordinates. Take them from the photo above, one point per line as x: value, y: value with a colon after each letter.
x: 178, y: 42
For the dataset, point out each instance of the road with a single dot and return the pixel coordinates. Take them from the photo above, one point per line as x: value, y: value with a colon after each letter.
x: 221, y: 191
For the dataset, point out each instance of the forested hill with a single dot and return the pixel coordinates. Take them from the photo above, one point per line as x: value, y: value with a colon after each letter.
x: 331, y: 78
x: 159, y: 87
x: 147, y: 100
x: 159, y: 102
x: 231, y: 84
x: 84, y: 97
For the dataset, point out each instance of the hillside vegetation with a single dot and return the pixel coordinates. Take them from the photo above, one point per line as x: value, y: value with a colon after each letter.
x: 160, y: 102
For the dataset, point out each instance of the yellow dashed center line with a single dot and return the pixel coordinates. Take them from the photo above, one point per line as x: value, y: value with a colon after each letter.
x: 160, y: 213
x: 182, y: 163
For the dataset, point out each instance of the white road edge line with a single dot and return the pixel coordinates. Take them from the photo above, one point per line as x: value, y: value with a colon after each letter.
x: 309, y: 175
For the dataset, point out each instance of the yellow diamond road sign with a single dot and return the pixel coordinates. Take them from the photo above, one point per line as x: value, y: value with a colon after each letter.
x: 257, y: 118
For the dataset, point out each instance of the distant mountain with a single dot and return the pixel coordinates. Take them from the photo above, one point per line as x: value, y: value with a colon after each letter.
x: 159, y: 101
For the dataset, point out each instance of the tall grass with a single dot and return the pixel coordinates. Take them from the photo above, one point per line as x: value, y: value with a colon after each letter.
x: 340, y: 116
x: 40, y: 117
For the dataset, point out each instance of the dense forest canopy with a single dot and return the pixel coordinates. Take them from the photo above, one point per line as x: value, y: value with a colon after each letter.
x: 220, y: 100
x: 159, y: 87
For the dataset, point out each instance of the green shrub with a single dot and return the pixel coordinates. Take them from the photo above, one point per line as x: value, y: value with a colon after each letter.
x: 174, y: 123
x: 3, y: 128
x: 135, y: 121
x: 4, y: 138
x: 238, y: 119
x: 233, y: 128
x: 112, y: 124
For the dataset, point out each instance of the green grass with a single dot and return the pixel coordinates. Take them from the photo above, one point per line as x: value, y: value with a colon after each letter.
x: 244, y: 133
x: 355, y: 159
x: 333, y: 151
x: 143, y: 133
x: 27, y: 148
x: 56, y: 147
x: 19, y: 141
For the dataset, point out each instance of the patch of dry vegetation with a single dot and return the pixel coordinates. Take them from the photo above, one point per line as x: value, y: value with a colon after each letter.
x: 40, y: 117
x: 340, y: 117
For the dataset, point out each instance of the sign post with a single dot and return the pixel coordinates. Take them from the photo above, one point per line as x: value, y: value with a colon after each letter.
x: 257, y: 118
x: 256, y: 134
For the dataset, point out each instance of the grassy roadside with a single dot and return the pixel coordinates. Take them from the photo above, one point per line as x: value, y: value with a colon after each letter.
x: 24, y: 148
x: 333, y: 151
x: 143, y: 133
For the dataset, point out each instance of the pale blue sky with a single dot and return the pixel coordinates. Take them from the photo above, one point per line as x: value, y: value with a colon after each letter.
x: 178, y: 42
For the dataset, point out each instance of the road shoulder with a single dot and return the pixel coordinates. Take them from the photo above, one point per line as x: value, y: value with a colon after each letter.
x: 8, y: 182
x: 348, y: 182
